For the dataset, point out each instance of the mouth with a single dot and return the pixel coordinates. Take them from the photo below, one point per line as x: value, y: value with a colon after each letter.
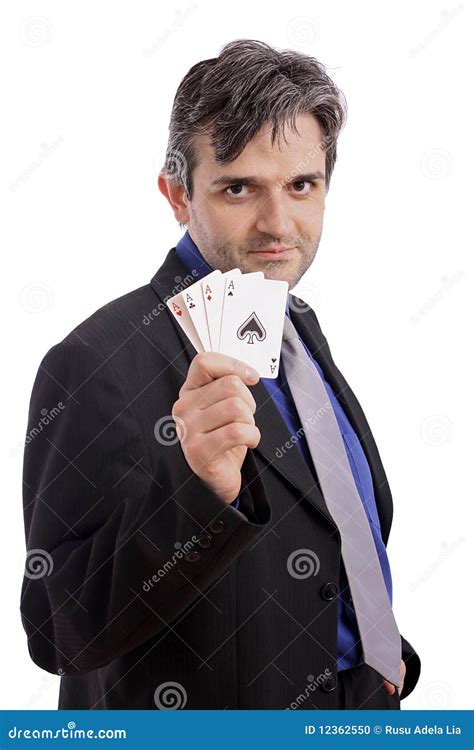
x: 274, y: 253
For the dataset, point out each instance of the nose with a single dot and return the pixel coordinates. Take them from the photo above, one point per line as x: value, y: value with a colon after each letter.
x: 273, y: 217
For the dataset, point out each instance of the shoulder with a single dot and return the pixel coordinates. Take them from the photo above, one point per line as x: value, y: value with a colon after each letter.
x: 113, y: 323
x: 118, y: 338
x: 121, y: 323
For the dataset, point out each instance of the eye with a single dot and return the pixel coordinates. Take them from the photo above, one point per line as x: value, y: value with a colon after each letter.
x: 302, y: 183
x: 238, y: 187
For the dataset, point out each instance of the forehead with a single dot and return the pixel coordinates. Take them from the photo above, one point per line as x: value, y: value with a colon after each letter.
x: 303, y: 148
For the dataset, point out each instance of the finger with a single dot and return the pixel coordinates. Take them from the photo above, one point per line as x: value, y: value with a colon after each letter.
x: 206, y: 366
x: 226, y: 387
x: 389, y: 687
x: 220, y: 441
x: 224, y: 412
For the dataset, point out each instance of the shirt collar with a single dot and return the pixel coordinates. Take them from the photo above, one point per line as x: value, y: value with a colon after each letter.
x: 189, y: 254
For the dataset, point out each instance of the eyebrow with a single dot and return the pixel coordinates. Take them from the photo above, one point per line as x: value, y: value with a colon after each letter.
x: 252, y: 180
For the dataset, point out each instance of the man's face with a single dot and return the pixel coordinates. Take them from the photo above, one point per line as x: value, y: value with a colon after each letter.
x: 269, y: 198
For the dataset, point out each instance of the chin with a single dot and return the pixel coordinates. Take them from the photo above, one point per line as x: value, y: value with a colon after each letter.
x: 281, y: 272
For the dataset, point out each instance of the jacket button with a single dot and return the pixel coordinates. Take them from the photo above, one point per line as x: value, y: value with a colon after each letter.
x: 329, y: 683
x: 204, y: 540
x: 329, y: 591
x: 193, y: 556
x: 217, y: 526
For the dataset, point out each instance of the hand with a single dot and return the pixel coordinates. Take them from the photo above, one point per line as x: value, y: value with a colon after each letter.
x: 390, y: 687
x: 216, y: 408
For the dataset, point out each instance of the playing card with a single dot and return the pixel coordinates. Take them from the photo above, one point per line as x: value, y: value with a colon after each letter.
x: 181, y: 314
x: 227, y: 291
x: 194, y: 301
x: 213, y: 294
x: 252, y: 321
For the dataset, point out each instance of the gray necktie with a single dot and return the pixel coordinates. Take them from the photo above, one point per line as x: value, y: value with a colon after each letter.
x: 380, y: 638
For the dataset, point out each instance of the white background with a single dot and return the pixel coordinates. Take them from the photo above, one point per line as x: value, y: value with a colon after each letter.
x: 87, y: 93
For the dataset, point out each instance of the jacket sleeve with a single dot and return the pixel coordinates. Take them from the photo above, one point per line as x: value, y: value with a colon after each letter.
x: 413, y: 665
x: 121, y: 535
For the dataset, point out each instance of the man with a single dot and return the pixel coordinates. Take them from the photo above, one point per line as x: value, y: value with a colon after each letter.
x: 168, y: 568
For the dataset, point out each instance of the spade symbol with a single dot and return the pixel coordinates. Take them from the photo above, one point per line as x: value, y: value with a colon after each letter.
x: 253, y: 329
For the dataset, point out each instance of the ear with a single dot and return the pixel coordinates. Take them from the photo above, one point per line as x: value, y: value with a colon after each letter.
x: 176, y: 196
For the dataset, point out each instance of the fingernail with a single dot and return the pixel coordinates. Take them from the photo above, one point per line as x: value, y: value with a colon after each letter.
x: 251, y: 374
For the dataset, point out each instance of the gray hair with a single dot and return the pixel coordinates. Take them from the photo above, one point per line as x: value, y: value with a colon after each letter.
x: 230, y: 97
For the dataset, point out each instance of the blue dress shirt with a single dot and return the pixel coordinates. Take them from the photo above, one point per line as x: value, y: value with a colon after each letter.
x: 348, y: 639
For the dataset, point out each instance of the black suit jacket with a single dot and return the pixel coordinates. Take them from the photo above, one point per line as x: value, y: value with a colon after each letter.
x: 142, y: 576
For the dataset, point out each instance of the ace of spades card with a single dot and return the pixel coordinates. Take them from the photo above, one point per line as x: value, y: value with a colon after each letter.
x: 252, y: 321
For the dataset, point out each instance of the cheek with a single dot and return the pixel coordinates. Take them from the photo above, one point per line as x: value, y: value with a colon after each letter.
x: 234, y: 224
x: 314, y: 208
x: 220, y: 213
